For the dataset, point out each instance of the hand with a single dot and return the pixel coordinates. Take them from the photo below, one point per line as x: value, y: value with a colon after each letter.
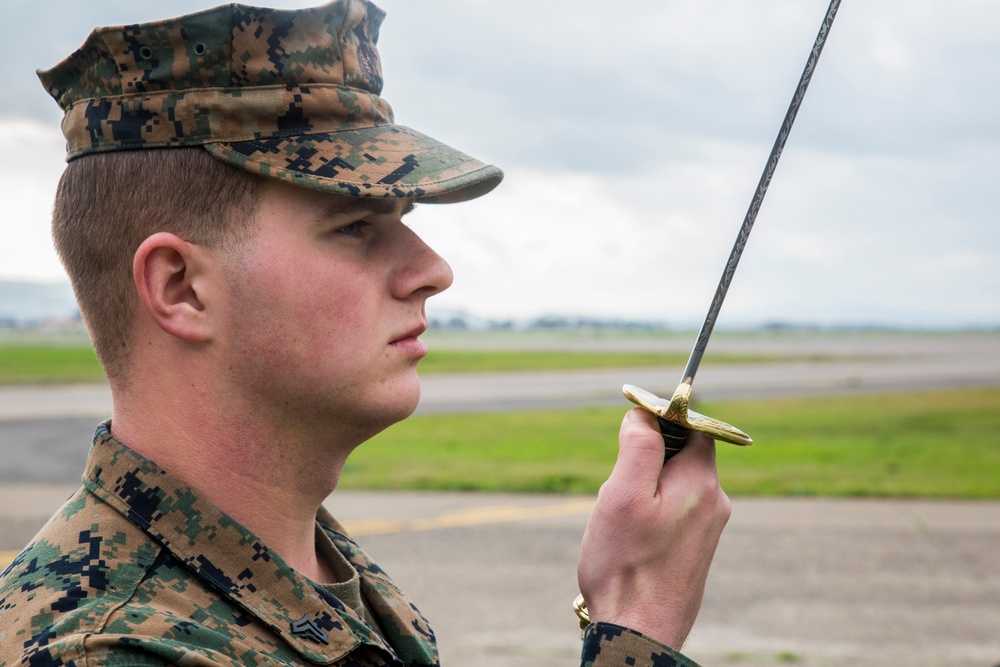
x: 650, y: 541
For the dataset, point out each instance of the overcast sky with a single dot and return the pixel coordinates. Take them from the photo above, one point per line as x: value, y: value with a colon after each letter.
x: 633, y: 135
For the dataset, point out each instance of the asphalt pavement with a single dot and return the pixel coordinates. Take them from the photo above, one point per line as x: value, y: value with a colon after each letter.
x: 803, y: 581
x: 820, y: 365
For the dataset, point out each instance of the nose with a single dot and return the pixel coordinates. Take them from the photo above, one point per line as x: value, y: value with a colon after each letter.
x: 422, y: 271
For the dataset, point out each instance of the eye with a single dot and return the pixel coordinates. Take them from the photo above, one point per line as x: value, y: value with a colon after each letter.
x: 353, y: 230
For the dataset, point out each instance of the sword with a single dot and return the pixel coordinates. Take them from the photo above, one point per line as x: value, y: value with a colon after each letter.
x: 676, y: 419
x: 675, y: 416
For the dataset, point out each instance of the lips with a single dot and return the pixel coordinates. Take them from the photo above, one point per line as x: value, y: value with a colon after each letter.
x: 413, y: 333
x: 409, y: 343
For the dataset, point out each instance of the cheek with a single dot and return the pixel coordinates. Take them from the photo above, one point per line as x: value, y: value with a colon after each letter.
x: 285, y: 300
x: 332, y: 312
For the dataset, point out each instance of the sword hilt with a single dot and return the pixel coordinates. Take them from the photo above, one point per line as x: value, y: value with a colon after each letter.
x: 674, y: 437
x: 676, y: 419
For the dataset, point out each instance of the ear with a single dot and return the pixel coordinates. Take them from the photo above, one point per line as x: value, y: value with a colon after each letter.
x: 173, y: 279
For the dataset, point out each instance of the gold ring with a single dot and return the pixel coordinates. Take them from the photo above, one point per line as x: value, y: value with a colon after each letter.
x: 580, y: 607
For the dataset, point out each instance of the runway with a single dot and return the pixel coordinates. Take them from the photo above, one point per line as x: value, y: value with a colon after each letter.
x: 45, y: 430
x: 804, y: 581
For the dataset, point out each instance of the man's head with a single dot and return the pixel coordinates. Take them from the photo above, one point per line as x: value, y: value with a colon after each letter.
x: 108, y: 204
x: 289, y: 95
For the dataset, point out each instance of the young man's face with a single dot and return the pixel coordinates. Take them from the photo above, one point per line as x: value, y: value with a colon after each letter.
x: 326, y: 303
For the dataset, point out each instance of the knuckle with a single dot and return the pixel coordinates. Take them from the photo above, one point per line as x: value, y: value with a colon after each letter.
x: 724, y: 508
x: 638, y: 422
x: 621, y: 500
x: 641, y: 436
x: 708, y: 499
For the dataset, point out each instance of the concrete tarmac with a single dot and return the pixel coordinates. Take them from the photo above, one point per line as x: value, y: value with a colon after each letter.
x: 803, y: 581
x: 810, y: 582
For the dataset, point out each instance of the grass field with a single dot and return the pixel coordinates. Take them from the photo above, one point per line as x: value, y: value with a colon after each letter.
x: 46, y: 364
x: 921, y: 444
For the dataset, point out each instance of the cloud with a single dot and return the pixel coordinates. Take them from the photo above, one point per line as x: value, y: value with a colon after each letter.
x: 30, y: 165
x: 633, y: 136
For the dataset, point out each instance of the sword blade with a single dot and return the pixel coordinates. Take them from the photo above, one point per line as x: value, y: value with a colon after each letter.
x: 694, y: 360
x: 675, y: 418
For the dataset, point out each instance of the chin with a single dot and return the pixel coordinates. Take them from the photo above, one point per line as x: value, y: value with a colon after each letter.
x: 407, y: 392
x: 401, y: 402
x: 377, y: 421
x: 407, y: 408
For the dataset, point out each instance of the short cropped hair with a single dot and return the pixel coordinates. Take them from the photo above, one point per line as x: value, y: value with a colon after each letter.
x: 107, y: 204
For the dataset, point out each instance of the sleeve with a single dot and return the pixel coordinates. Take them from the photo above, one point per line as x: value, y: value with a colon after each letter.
x: 609, y: 645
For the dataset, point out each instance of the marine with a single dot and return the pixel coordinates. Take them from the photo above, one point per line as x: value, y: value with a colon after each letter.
x: 232, y: 220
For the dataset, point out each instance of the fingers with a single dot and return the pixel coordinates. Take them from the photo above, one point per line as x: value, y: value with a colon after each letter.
x: 690, y: 480
x: 640, y: 451
x: 698, y: 452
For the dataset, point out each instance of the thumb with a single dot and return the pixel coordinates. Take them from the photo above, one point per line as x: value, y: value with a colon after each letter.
x: 640, y: 451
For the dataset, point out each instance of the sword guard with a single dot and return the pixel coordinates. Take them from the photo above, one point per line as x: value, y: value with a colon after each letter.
x: 676, y: 413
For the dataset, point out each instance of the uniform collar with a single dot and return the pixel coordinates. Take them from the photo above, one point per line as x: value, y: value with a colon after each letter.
x: 240, y: 567
x: 404, y: 626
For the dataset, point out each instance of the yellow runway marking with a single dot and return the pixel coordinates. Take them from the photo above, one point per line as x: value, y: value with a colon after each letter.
x: 473, y: 517
x: 477, y: 516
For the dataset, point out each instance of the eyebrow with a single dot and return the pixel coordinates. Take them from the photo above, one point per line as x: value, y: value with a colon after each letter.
x: 339, y: 208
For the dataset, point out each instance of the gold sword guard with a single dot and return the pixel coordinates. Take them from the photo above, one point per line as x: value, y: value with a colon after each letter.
x: 676, y: 411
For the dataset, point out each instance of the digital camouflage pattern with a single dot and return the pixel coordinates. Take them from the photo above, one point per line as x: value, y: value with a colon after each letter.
x: 136, y: 569
x: 608, y: 644
x: 288, y: 94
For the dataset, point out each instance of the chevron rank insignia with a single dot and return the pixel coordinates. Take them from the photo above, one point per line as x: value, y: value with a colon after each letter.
x: 305, y: 627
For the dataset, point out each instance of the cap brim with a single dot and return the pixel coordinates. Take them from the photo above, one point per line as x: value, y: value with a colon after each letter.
x: 386, y: 161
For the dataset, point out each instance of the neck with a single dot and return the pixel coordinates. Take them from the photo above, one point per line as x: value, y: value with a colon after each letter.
x: 270, y: 479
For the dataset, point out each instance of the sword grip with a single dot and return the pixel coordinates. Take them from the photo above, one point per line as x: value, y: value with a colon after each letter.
x: 674, y: 437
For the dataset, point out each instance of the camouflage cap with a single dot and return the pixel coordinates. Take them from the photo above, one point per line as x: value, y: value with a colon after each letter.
x: 287, y: 94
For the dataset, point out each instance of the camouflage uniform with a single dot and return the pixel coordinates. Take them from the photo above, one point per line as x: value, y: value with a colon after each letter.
x: 136, y: 569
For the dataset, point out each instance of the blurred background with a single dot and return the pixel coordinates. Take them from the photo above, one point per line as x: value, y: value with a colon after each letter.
x: 859, y: 344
